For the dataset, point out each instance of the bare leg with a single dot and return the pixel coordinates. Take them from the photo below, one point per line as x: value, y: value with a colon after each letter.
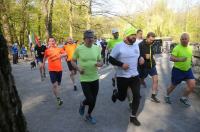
x: 190, y: 87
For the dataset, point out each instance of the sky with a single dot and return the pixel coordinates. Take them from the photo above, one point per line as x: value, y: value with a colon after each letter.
x: 132, y: 6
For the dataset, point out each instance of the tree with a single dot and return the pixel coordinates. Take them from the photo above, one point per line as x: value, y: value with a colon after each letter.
x: 5, y: 21
x: 11, y: 117
x: 48, y: 12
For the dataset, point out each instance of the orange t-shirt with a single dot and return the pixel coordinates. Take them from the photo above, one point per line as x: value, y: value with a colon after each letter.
x: 54, y: 60
x: 69, y: 49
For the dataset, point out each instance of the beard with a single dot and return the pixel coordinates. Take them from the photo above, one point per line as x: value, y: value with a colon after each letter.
x: 131, y: 40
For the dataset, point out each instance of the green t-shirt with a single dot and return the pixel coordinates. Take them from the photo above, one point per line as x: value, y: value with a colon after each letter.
x: 87, y: 58
x: 181, y: 51
x: 113, y: 42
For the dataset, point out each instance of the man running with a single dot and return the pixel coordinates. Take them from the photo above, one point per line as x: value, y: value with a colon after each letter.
x: 69, y: 48
x: 88, y: 56
x: 125, y: 56
x: 39, y: 56
x: 149, y: 67
x: 54, y: 55
x: 181, y: 71
x: 111, y: 44
x: 139, y: 39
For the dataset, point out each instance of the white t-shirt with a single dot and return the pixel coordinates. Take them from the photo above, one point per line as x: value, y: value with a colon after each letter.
x: 138, y: 40
x: 127, y: 54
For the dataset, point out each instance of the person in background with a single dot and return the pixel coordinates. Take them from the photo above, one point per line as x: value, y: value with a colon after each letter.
x: 15, y: 53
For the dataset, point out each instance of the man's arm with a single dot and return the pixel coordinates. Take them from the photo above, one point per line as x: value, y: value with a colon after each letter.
x: 115, y: 62
x: 176, y: 59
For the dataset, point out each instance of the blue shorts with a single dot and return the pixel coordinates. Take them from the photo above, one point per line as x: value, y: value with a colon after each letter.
x: 144, y: 72
x: 178, y: 75
x: 39, y: 60
x: 55, y: 76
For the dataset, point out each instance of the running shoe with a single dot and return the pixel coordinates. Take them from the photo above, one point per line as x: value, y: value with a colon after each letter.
x: 114, y: 99
x: 167, y: 100
x: 81, y: 109
x: 59, y: 101
x: 185, y: 101
x: 154, y: 99
x: 90, y: 119
x: 134, y: 120
x: 75, y: 88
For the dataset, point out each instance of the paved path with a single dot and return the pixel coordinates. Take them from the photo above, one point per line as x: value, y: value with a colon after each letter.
x: 39, y: 105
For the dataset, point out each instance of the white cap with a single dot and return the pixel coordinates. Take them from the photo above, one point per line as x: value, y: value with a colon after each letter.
x: 114, y: 30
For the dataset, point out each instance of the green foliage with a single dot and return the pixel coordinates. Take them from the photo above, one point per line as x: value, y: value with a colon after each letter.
x: 157, y: 18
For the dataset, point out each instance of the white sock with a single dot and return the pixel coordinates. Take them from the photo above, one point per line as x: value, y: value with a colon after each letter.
x: 183, y: 98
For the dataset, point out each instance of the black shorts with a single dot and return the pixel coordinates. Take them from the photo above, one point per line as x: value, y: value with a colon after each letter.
x: 71, y: 68
x: 55, y: 76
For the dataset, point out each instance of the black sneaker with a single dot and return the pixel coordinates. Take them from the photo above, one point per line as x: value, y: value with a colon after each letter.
x: 135, y: 121
x: 154, y: 99
x: 59, y: 101
x: 75, y: 88
x: 114, y: 99
x: 113, y: 82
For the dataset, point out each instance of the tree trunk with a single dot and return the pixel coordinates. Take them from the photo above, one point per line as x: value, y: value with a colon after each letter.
x: 50, y: 18
x: 11, y: 117
x: 45, y: 10
x: 23, y: 25
x: 70, y: 19
x: 89, y: 15
x: 39, y: 22
x: 5, y: 23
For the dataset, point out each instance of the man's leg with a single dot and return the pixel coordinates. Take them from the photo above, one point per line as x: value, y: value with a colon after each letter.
x: 41, y: 69
x: 154, y: 88
x: 135, y: 88
x: 122, y: 86
x: 190, y: 87
x: 72, y: 76
x: 129, y: 97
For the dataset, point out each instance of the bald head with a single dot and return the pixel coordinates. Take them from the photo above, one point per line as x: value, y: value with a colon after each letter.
x: 70, y: 40
x: 185, y: 38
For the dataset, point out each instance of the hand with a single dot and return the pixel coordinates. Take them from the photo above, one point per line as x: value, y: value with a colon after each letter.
x: 99, y: 64
x: 141, y: 61
x: 81, y: 71
x: 182, y: 59
x: 42, y: 53
x: 125, y: 66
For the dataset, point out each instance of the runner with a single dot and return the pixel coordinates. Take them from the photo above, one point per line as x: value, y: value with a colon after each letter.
x: 111, y: 44
x: 125, y: 56
x: 39, y: 56
x: 149, y: 67
x: 139, y: 39
x: 139, y: 36
x: 88, y: 56
x: 181, y: 71
x: 54, y: 55
x: 69, y: 48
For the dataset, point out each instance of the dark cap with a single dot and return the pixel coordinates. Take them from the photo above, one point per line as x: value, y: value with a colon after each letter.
x: 88, y: 34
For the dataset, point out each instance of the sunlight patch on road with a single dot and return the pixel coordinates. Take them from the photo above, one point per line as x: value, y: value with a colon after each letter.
x: 32, y: 102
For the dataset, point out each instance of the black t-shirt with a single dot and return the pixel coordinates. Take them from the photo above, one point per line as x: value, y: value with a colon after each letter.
x: 39, y: 51
x: 103, y: 46
x: 144, y: 50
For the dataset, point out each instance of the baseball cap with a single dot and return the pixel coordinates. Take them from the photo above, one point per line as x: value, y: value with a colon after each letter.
x: 130, y: 31
x: 114, y: 30
x: 88, y: 34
